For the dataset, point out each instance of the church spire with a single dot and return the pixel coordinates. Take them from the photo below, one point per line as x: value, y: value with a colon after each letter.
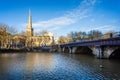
x: 29, y: 29
x: 29, y: 20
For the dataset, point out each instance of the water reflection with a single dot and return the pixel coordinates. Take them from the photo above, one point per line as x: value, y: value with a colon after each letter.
x: 56, y: 66
x: 39, y: 61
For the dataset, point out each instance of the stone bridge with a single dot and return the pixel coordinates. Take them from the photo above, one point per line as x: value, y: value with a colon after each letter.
x: 102, y: 48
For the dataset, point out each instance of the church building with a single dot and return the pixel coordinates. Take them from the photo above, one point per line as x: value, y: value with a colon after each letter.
x: 36, y: 41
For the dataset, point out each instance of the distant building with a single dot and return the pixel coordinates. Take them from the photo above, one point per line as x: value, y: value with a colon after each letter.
x: 35, y: 41
x: 108, y: 35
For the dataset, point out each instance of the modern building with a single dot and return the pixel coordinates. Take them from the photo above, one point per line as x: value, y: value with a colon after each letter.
x: 36, y: 41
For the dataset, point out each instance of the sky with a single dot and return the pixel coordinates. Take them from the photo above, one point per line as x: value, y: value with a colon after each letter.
x: 62, y: 16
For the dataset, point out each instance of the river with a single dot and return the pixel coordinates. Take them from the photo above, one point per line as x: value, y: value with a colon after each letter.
x: 57, y: 66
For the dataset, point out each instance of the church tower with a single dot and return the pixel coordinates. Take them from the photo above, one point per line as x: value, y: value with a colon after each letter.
x: 29, y: 31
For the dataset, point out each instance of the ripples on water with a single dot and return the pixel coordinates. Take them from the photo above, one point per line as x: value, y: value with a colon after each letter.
x: 56, y: 66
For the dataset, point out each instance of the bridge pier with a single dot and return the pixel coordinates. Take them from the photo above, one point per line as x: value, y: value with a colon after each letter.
x: 97, y: 51
x: 74, y: 49
x: 108, y: 51
x: 70, y: 49
x: 103, y: 51
x: 61, y: 49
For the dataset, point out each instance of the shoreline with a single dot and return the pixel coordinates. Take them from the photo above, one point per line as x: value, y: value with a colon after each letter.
x: 21, y: 50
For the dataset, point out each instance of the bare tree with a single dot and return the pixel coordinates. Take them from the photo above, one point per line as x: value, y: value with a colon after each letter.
x: 83, y: 35
x: 79, y: 35
x: 41, y: 33
x: 62, y: 40
x: 22, y: 33
x: 11, y: 30
x: 2, y: 25
x: 71, y: 36
x: 2, y: 35
x: 6, y: 33
x: 94, y: 34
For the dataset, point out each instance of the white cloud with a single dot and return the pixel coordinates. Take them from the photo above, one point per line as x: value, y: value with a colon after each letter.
x: 89, y: 2
x: 71, y: 17
x: 60, y: 21
x: 82, y: 11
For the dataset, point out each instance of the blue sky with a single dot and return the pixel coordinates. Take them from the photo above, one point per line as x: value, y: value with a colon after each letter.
x: 62, y: 16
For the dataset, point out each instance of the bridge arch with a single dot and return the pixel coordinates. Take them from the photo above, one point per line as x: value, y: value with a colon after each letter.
x: 115, y: 54
x: 83, y: 50
x: 66, y: 50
